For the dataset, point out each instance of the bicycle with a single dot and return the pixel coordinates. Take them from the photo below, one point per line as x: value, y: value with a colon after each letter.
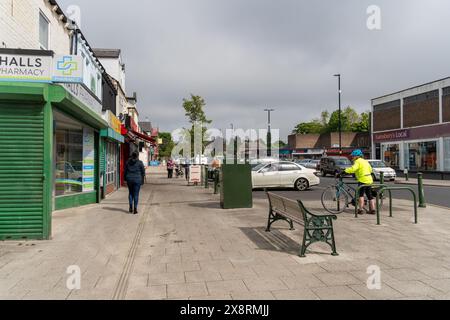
x: 179, y: 172
x: 335, y: 198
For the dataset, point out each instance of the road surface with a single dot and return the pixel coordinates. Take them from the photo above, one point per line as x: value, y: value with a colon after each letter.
x: 439, y: 196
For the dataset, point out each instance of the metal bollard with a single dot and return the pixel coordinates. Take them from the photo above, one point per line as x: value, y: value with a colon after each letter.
x: 381, y: 177
x: 422, y: 203
x: 406, y: 174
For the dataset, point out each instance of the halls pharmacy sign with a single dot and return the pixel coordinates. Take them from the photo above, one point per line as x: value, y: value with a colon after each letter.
x: 40, y: 68
x: 25, y: 68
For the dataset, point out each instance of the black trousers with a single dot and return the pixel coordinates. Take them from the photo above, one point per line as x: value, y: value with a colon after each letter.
x: 367, y: 190
x: 170, y: 173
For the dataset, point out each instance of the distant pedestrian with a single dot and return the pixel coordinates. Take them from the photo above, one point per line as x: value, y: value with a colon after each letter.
x: 187, y: 169
x: 215, y: 164
x: 170, y: 168
x: 134, y: 176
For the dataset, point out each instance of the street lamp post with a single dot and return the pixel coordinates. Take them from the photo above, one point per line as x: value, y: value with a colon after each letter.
x: 340, y: 112
x: 269, y: 133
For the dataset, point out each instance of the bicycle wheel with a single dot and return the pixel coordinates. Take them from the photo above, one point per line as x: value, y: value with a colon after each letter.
x: 334, y: 200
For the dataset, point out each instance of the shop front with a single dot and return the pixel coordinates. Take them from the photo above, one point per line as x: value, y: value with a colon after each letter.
x: 111, y: 141
x: 422, y: 149
x: 49, y: 137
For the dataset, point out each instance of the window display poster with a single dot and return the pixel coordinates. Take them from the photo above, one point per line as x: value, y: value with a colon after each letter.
x: 88, y: 159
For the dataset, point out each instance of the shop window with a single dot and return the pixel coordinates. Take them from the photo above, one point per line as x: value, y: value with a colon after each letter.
x: 421, y: 156
x: 391, y: 155
x: 447, y: 154
x: 73, y: 152
x: 69, y: 159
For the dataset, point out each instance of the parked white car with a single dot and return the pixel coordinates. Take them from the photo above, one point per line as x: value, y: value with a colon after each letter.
x: 256, y: 162
x: 284, y: 174
x: 379, y: 166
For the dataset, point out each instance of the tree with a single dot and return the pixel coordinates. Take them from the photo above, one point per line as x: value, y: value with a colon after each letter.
x: 352, y: 118
x: 364, y: 123
x: 351, y: 121
x: 194, y: 110
x: 165, y: 149
x: 325, y: 118
x: 196, y: 115
x: 309, y: 127
x: 279, y: 144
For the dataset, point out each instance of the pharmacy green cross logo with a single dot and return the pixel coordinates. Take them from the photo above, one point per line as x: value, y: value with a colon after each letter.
x: 67, y: 66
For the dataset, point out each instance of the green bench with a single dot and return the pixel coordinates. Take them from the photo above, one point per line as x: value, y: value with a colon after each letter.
x: 317, y: 227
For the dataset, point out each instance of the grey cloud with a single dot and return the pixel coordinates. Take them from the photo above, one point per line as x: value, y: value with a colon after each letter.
x: 246, y: 55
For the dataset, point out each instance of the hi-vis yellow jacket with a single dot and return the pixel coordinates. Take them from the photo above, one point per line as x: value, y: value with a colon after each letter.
x: 362, y: 170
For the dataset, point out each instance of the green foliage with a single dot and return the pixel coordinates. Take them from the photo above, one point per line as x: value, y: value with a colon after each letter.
x: 364, y: 124
x: 279, y: 144
x: 314, y: 126
x: 165, y: 149
x: 351, y: 121
x: 325, y: 118
x: 194, y: 111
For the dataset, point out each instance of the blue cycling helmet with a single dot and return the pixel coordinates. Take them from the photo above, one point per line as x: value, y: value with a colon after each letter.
x: 357, y: 153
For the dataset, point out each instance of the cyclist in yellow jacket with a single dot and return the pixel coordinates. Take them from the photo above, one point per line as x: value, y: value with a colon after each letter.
x: 363, y: 173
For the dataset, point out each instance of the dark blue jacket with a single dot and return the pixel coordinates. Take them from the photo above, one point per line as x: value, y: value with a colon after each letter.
x: 134, y: 171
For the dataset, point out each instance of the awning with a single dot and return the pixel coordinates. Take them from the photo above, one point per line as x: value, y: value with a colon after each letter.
x: 111, y: 134
x: 144, y: 137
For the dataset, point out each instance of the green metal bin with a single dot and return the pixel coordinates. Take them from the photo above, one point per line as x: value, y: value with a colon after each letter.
x: 236, y: 186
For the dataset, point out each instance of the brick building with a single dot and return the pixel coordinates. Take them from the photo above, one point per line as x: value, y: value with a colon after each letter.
x: 411, y: 128
x: 34, y: 24
x: 316, y: 145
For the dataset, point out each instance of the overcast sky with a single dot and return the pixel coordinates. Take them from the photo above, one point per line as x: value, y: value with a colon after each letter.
x: 243, y: 56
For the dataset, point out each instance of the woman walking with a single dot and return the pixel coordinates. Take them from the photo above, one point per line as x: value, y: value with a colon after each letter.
x: 134, y: 176
x: 170, y: 168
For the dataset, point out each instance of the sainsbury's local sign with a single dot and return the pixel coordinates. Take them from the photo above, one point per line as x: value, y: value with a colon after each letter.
x: 40, y: 68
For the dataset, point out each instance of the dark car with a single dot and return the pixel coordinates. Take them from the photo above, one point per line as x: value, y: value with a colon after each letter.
x: 334, y: 165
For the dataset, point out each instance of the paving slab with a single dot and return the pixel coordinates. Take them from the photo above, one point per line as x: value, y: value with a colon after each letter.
x: 147, y: 293
x: 183, y: 246
x: 226, y: 287
x: 296, y: 294
x: 337, y: 293
x: 187, y: 290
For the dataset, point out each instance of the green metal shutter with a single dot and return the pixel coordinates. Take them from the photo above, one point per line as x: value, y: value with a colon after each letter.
x: 102, y: 155
x: 21, y: 172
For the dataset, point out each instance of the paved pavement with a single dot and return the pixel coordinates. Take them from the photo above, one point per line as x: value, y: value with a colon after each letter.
x: 183, y: 246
